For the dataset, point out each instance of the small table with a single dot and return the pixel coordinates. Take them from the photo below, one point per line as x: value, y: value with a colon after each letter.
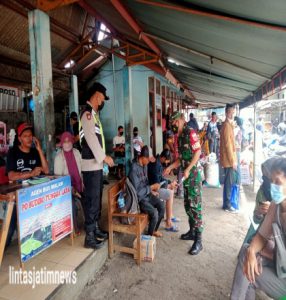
x: 9, y: 193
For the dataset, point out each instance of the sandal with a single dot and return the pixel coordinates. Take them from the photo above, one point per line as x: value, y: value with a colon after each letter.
x: 175, y: 219
x: 172, y: 228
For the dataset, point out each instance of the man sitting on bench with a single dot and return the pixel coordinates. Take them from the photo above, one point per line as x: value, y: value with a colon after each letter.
x: 147, y: 194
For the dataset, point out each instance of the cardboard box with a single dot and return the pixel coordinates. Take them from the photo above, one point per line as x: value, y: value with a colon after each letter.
x: 148, y: 247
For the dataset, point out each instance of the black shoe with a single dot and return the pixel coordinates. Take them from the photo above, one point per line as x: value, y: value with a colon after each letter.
x: 91, y: 242
x: 197, y: 245
x: 188, y: 236
x: 105, y: 182
x: 100, y: 234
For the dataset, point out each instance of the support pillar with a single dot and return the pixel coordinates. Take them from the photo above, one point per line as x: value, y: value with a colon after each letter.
x: 255, y: 163
x: 128, y: 119
x: 42, y: 83
x: 73, y: 96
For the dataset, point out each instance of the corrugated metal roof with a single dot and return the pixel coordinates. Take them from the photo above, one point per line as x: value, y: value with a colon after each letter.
x: 14, y: 42
x: 224, y: 49
x: 14, y: 31
x: 105, y: 8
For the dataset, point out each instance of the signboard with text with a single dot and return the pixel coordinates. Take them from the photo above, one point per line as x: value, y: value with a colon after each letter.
x: 9, y: 90
x: 44, y: 215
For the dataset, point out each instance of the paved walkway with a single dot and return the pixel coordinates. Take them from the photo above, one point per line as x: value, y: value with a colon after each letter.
x: 175, y: 274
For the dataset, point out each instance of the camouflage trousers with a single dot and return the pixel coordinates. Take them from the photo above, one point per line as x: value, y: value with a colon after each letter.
x: 193, y: 199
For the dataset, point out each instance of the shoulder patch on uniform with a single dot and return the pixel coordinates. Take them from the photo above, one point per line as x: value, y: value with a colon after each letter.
x: 88, y: 116
x: 194, y: 136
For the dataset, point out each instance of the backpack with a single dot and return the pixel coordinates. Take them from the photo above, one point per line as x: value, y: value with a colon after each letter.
x: 131, y: 202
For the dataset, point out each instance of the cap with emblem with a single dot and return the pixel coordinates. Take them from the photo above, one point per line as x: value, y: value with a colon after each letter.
x: 97, y: 87
x: 175, y: 116
x: 22, y: 127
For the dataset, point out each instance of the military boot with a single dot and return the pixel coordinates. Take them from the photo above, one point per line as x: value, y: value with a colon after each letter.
x: 197, y: 245
x: 99, y: 234
x: 188, y: 236
x: 91, y: 242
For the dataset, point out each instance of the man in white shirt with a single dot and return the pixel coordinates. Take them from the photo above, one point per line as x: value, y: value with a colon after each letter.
x: 119, y: 151
x: 137, y: 142
x: 213, y: 134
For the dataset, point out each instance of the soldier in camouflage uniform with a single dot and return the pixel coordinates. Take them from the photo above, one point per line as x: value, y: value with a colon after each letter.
x: 189, y: 154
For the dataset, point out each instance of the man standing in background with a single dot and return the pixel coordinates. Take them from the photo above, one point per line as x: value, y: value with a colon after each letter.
x: 193, y: 122
x: 228, y: 158
x: 213, y: 134
x: 119, y: 151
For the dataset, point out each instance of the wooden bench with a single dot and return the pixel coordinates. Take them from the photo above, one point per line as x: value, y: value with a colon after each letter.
x: 141, y: 221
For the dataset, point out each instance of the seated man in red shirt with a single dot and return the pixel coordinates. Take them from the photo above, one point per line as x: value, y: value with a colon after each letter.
x: 24, y: 161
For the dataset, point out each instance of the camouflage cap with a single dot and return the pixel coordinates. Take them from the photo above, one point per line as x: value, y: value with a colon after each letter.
x: 175, y: 116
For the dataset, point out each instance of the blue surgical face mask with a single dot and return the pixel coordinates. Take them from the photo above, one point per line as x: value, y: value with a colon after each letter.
x: 277, y: 194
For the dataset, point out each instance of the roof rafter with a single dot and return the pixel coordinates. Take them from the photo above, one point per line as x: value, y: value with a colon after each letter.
x: 205, y: 55
x: 135, y: 26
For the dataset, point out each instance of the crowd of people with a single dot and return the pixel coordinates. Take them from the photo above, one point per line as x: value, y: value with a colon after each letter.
x: 82, y: 155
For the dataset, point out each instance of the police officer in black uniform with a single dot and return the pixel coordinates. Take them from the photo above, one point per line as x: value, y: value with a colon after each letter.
x: 93, y: 157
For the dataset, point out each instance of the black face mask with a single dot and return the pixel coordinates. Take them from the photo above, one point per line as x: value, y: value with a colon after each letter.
x: 121, y: 133
x: 100, y: 107
x: 135, y: 134
x: 175, y: 128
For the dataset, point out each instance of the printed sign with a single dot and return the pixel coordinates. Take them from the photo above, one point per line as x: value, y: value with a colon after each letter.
x: 44, y: 215
x: 9, y: 90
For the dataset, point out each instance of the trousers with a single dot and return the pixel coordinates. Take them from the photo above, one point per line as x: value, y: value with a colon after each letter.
x: 155, y: 209
x: 93, y: 183
x: 193, y: 199
x: 268, y: 281
x: 228, y: 182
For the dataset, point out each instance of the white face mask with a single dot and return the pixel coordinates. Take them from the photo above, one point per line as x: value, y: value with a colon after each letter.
x: 67, y: 147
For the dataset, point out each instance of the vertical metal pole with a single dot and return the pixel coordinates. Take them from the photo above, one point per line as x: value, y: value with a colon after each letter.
x: 42, y: 83
x: 114, y: 89
x: 128, y: 119
x: 73, y: 96
x: 254, y: 146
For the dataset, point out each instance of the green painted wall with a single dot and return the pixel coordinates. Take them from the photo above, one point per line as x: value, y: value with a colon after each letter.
x: 136, y: 90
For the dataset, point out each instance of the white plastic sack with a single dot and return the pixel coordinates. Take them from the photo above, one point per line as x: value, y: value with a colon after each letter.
x: 212, y: 158
x: 212, y: 175
x: 201, y: 169
x: 245, y: 175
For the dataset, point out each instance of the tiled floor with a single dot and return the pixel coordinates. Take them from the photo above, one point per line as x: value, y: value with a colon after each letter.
x: 61, y: 256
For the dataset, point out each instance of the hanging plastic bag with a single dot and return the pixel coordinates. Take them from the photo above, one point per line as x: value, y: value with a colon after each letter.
x: 234, y: 197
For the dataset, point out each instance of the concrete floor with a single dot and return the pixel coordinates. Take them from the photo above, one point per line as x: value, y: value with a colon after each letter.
x: 175, y: 274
